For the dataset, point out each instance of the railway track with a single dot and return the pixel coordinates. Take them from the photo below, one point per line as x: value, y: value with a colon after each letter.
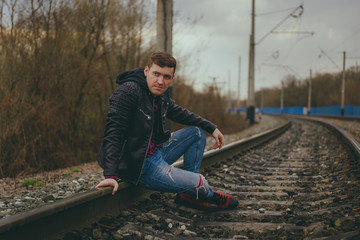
x: 302, y: 185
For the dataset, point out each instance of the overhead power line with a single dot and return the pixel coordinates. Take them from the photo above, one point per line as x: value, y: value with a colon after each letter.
x: 348, y: 38
x: 324, y: 53
x: 292, y: 14
x: 273, y: 12
x: 285, y: 67
x: 294, y: 32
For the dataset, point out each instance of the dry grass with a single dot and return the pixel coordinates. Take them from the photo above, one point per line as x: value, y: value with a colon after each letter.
x: 58, y: 64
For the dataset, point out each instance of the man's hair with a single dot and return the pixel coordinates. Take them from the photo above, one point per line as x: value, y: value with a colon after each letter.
x: 162, y: 59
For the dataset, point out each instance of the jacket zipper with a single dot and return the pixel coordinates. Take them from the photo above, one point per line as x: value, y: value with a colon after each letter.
x: 146, y: 115
x: 162, y: 107
x: 147, y: 148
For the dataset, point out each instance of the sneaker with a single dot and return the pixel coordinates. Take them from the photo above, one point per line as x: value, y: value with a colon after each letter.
x: 189, y: 201
x: 224, y: 201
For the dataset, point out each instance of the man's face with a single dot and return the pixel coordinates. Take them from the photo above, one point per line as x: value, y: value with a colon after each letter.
x: 158, y: 78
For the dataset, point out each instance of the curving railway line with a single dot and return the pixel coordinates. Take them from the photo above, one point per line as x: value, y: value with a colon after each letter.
x: 303, y: 184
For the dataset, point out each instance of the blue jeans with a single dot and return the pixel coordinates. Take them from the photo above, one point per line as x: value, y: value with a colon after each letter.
x: 158, y: 174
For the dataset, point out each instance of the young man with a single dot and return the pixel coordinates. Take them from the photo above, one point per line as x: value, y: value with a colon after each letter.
x: 137, y: 148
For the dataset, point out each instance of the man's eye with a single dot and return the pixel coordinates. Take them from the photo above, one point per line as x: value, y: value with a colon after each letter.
x: 157, y: 74
x: 167, y: 77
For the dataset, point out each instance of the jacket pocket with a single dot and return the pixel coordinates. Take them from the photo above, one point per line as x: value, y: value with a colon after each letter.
x: 122, y: 150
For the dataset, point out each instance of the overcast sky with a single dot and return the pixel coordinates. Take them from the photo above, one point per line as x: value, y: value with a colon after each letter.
x: 221, y: 33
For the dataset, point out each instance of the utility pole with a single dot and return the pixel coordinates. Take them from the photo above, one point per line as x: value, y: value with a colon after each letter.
x: 309, y: 94
x: 343, y: 87
x: 251, y: 85
x: 282, y: 97
x: 251, y: 81
x: 229, y: 90
x: 238, y: 93
x: 164, y: 24
x: 262, y: 100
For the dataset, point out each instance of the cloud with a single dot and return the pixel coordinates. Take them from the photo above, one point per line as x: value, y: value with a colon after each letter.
x: 223, y: 31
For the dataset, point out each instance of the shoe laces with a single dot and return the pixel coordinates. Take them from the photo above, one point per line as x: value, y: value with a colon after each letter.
x: 221, y: 198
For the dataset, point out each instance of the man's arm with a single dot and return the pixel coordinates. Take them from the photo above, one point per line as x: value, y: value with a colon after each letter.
x: 121, y: 111
x: 122, y: 105
x: 183, y: 116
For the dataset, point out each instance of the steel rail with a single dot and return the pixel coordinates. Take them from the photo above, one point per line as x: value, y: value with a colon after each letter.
x: 353, y: 144
x: 338, y: 117
x: 55, y: 219
x: 349, y: 118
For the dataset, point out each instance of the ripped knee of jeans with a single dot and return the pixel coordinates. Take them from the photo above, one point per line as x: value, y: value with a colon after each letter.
x: 168, y: 143
x: 201, y: 133
x: 202, y: 190
x: 169, y: 173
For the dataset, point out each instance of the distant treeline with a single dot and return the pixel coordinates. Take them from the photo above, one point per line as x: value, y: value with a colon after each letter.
x: 326, y: 91
x: 58, y: 63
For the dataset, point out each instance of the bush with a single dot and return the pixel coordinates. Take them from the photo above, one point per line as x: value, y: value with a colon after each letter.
x: 58, y: 64
x: 32, y: 181
x: 75, y: 169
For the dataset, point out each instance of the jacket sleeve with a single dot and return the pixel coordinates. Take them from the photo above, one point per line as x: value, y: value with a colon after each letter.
x: 183, y: 116
x: 123, y: 102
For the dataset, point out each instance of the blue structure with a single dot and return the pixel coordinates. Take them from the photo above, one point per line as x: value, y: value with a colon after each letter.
x: 272, y: 110
x: 349, y: 110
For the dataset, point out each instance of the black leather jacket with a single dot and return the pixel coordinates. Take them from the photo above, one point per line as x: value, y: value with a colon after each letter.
x: 130, y: 125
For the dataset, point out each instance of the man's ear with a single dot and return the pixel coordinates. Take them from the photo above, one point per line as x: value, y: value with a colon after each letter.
x: 146, y: 70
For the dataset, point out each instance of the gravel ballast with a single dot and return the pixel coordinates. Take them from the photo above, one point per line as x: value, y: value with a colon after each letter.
x: 63, y: 183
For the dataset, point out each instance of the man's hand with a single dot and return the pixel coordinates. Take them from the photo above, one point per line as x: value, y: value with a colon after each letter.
x: 219, y: 138
x: 109, y: 182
